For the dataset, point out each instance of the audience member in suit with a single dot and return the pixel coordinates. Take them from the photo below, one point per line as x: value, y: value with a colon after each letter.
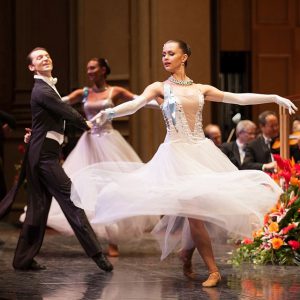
x: 245, y: 132
x: 7, y: 123
x: 295, y: 149
x: 296, y: 124
x: 259, y: 153
x: 213, y: 132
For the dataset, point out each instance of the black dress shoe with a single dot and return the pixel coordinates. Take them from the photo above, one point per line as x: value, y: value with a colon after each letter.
x: 102, y: 262
x: 34, y: 266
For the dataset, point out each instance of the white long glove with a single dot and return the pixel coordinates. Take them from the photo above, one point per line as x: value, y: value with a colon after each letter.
x: 65, y: 99
x: 249, y: 98
x: 124, y: 109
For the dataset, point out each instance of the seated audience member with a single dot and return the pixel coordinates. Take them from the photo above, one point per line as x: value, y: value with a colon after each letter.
x: 213, y: 132
x: 259, y: 151
x: 296, y: 124
x: 295, y: 148
x: 245, y: 132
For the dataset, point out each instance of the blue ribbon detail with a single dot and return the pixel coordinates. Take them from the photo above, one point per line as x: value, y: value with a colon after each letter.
x: 168, y: 93
x: 85, y: 94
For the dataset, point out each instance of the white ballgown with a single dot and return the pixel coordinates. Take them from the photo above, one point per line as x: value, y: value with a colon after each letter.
x: 102, y: 143
x: 187, y: 177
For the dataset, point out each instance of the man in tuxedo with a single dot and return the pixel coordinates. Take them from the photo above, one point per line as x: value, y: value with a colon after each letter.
x: 245, y: 132
x: 259, y: 151
x: 45, y: 176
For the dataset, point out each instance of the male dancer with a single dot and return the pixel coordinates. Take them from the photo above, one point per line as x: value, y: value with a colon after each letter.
x: 45, y: 177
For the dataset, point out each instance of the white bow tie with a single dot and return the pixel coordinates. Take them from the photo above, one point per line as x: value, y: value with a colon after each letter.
x: 268, y: 141
x: 53, y: 80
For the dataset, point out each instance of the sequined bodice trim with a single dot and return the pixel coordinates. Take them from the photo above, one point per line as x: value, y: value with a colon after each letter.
x: 178, y: 128
x: 91, y: 108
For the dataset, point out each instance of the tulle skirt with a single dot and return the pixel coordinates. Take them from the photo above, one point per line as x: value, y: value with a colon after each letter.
x: 183, y: 180
x: 92, y: 148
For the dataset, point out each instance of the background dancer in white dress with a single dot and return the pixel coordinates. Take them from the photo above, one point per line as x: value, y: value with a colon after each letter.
x: 102, y: 143
x: 189, y: 180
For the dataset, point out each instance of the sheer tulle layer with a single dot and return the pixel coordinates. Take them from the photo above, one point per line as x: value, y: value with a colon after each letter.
x: 90, y: 149
x: 94, y: 148
x: 182, y: 180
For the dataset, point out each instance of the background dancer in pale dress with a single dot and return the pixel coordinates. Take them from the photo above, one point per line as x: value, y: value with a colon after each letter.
x: 189, y: 180
x: 102, y: 143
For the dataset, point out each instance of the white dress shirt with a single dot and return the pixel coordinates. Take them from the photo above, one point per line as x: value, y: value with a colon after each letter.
x: 241, y: 148
x: 268, y: 143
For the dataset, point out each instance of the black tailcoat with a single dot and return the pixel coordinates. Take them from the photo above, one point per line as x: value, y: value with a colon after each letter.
x: 46, y: 178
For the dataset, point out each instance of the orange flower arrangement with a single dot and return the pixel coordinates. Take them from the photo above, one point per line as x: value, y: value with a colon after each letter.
x: 278, y: 242
x: 273, y: 227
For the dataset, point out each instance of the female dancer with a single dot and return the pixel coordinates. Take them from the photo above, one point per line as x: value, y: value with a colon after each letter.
x: 102, y: 143
x: 189, y: 180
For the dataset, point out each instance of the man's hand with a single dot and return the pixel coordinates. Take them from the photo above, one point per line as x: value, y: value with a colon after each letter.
x: 270, y: 167
x: 27, y: 135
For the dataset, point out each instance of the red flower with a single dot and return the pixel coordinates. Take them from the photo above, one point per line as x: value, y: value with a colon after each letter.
x: 266, y: 219
x: 292, y: 200
x: 21, y: 148
x: 283, y: 164
x: 247, y: 241
x: 286, y: 174
x: 286, y: 229
x: 297, y: 168
x: 294, y: 244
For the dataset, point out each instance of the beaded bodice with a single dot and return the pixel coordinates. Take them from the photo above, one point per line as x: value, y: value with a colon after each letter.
x: 182, y: 110
x: 91, y: 108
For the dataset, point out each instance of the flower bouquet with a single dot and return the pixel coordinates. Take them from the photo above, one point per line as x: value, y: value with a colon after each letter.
x: 278, y: 241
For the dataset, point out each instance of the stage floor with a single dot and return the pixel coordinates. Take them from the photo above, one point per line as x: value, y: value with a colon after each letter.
x: 139, y: 274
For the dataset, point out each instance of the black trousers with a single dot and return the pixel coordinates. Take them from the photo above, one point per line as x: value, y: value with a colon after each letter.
x: 54, y: 183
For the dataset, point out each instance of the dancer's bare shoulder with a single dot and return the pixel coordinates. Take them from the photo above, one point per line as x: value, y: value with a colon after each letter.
x: 154, y: 89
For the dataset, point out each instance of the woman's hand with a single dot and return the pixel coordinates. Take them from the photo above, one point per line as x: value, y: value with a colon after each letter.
x: 102, y: 117
x: 286, y: 103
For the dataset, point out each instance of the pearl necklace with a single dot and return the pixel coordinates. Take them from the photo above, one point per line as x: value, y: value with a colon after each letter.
x: 97, y: 90
x: 180, y: 82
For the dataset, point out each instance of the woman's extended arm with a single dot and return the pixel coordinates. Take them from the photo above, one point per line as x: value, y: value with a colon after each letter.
x: 74, y: 97
x: 213, y: 94
x: 123, y: 95
x: 129, y: 107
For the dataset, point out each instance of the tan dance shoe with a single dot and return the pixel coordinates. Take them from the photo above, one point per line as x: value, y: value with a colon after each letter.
x: 213, y: 279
